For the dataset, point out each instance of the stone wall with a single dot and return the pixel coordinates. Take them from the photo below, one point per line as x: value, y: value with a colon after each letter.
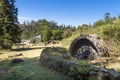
x: 58, y: 60
x: 53, y: 59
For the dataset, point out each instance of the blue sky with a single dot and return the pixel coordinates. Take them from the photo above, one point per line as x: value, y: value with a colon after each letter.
x: 73, y: 12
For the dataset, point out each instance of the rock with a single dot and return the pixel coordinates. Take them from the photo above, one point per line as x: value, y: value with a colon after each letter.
x: 92, y: 73
x: 4, y: 71
x: 103, y: 76
x: 66, y: 56
x: 11, y: 55
x: 17, y: 60
x: 19, y: 54
x: 15, y: 55
x: 113, y: 74
x: 102, y: 69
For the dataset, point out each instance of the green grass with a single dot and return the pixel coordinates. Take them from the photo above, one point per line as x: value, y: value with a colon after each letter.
x: 68, y: 41
x: 28, y: 70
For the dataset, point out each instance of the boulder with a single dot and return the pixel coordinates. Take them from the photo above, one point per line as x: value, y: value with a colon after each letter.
x: 17, y: 60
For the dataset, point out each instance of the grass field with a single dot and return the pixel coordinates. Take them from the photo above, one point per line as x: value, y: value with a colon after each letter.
x: 30, y: 69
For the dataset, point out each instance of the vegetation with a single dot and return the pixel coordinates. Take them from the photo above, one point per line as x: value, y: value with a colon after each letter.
x: 81, y: 71
x: 108, y: 29
x: 9, y: 30
x: 49, y: 30
x: 46, y: 33
x: 28, y: 70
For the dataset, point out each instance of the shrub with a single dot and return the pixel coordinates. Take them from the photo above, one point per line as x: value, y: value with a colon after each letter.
x: 80, y: 71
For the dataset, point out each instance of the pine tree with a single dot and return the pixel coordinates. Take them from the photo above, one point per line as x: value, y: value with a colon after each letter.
x: 9, y: 30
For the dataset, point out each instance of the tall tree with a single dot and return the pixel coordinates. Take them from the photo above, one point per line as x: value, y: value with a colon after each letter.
x: 107, y: 18
x: 9, y: 30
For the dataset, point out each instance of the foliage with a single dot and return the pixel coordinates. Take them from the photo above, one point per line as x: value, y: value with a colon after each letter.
x: 67, y: 41
x: 56, y: 34
x: 67, y: 33
x: 9, y: 30
x: 33, y: 40
x: 112, y: 32
x: 34, y: 28
x: 99, y: 23
x: 81, y: 71
x: 107, y: 18
x: 46, y: 34
x: 84, y: 28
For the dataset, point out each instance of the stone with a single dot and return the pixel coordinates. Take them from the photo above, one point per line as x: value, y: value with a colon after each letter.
x: 102, y: 69
x: 14, y: 55
x: 11, y: 55
x: 103, y: 76
x: 19, y: 54
x: 92, y: 73
x: 113, y: 74
x: 17, y: 60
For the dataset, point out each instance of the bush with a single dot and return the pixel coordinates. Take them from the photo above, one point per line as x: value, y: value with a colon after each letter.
x: 67, y: 33
x: 112, y: 32
x: 80, y: 71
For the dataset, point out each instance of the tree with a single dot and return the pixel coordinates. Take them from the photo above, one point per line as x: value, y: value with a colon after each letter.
x: 46, y: 34
x: 107, y: 18
x: 113, y: 19
x: 99, y: 23
x: 9, y: 30
x: 67, y: 33
x: 56, y: 34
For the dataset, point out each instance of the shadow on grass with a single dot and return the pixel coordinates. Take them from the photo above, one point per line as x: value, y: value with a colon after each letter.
x: 30, y: 69
x: 26, y: 49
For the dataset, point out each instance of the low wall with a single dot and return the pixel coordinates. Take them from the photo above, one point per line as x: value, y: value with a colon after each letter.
x: 57, y: 59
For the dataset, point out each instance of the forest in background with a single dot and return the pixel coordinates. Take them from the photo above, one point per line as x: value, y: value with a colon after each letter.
x: 108, y: 28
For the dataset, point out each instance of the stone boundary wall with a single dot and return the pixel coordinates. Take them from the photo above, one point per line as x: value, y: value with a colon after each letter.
x: 53, y: 58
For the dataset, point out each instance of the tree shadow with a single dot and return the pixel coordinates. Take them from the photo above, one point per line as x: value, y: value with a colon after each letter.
x: 26, y: 49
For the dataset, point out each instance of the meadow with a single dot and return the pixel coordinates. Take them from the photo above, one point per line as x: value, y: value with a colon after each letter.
x: 30, y: 69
